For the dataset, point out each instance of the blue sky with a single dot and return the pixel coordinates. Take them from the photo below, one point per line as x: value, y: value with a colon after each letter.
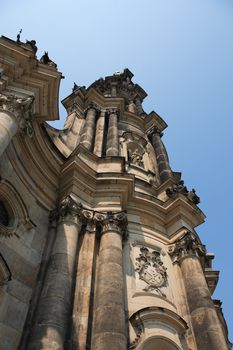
x: 181, y: 53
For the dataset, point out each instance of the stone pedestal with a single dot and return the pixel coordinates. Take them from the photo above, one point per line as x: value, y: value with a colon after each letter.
x: 51, y: 320
x: 84, y: 286
x: 89, y: 128
x: 14, y: 115
x: 109, y: 329
x: 112, y: 147
x: 161, y: 154
x: 99, y: 136
x: 205, y: 322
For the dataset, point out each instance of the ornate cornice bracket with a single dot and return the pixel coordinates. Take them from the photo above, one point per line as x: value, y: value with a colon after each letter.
x: 188, y: 245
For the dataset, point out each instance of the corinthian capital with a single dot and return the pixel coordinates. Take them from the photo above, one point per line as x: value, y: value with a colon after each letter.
x: 112, y: 110
x: 188, y: 245
x: 153, y: 131
x: 69, y: 209
x: 21, y: 109
x: 111, y: 221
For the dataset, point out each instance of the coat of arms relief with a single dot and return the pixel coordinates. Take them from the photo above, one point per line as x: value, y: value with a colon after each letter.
x: 151, y: 270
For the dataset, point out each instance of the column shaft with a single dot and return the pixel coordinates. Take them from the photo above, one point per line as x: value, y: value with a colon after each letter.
x: 161, y: 156
x: 112, y: 147
x: 8, y: 128
x: 83, y: 291
x: 99, y: 136
x: 87, y: 138
x: 205, y: 322
x: 109, y: 329
x: 50, y: 328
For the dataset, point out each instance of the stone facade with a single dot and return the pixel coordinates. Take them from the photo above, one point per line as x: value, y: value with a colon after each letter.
x: 98, y: 245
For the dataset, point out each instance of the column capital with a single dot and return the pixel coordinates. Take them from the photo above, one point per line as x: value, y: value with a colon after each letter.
x: 88, y: 218
x: 93, y: 106
x: 68, y: 209
x: 112, y: 110
x: 187, y: 246
x: 21, y: 109
x: 154, y: 131
x: 112, y: 221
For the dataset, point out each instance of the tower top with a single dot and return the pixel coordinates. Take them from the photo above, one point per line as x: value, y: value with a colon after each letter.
x: 119, y: 85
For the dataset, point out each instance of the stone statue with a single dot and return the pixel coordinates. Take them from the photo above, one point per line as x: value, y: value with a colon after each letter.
x: 46, y: 60
x: 32, y: 44
x: 182, y: 189
x: 18, y: 36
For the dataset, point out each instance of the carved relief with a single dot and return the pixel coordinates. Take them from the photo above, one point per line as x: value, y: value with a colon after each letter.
x: 151, y: 270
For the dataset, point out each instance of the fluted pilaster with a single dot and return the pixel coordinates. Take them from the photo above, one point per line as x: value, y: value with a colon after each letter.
x: 205, y: 322
x: 109, y: 329
x: 15, y: 114
x: 84, y: 284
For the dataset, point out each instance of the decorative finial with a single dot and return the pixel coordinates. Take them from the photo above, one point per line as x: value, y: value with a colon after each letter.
x: 18, y: 36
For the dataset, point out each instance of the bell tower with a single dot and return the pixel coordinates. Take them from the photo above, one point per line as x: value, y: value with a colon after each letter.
x: 117, y: 262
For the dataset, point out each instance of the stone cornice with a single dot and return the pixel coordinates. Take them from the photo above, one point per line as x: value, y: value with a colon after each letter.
x: 22, y: 73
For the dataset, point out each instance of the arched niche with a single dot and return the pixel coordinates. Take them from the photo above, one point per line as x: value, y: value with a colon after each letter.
x: 158, y: 328
x: 14, y: 211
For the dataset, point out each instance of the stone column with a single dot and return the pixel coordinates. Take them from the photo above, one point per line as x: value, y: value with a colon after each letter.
x: 99, y: 136
x: 84, y: 285
x: 87, y: 137
x: 109, y: 328
x: 51, y: 320
x: 138, y: 104
x: 112, y: 147
x: 206, y: 325
x: 15, y: 114
x: 161, y: 154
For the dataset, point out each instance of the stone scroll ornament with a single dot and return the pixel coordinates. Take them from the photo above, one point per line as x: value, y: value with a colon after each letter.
x: 151, y: 270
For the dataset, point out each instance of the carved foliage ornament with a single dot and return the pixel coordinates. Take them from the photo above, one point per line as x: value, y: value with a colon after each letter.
x: 21, y: 108
x: 111, y: 221
x: 107, y: 221
x: 151, y: 270
x: 188, y: 245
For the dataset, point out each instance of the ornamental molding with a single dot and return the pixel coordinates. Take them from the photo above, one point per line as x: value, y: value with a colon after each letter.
x: 151, y: 270
x: 187, y: 246
x: 21, y: 108
x: 19, y: 220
